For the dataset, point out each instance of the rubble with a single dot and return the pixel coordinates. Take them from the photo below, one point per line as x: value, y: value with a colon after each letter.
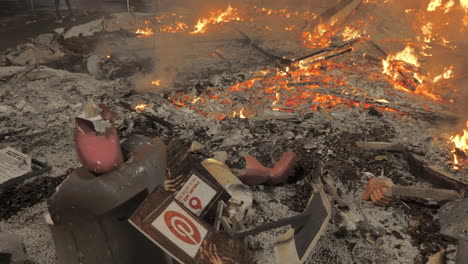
x: 324, y: 110
x: 12, y: 249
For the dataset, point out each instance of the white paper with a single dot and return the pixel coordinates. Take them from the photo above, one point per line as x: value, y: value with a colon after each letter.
x: 13, y: 164
x: 195, y: 195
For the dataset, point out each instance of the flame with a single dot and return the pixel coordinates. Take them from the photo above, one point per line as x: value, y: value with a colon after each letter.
x: 434, y: 4
x: 175, y: 28
x: 157, y: 82
x: 464, y: 4
x: 219, y: 17
x: 350, y: 33
x: 460, y: 150
x: 145, y: 32
x: 448, y: 73
x: 140, y: 107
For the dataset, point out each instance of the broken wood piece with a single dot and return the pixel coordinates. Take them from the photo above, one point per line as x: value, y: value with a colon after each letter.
x: 435, y: 175
x: 325, y: 52
x: 340, y: 13
x: 330, y: 55
x: 382, y: 192
x: 381, y: 146
x: 425, y: 193
x: 331, y: 119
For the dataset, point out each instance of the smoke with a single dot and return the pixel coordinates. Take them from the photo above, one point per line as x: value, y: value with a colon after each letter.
x: 401, y: 22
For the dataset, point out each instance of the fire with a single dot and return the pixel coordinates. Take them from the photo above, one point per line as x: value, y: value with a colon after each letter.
x: 448, y: 73
x: 350, y: 33
x: 140, y: 107
x: 434, y: 4
x: 177, y: 27
x: 464, y: 4
x: 460, y: 150
x: 145, y: 32
x: 157, y: 82
x: 219, y: 17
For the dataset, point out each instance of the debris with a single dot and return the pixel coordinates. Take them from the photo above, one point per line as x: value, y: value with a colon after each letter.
x: 93, y: 64
x: 221, y: 156
x: 96, y: 141
x: 453, y: 218
x: 87, y: 29
x: 255, y: 173
x: 13, y: 164
x: 381, y: 146
x: 12, y: 249
x: 196, y: 146
x: 297, y: 243
x: 382, y: 191
x: 182, y: 235
x: 437, y: 258
x: 241, y: 194
x: 197, y: 195
x: 331, y: 119
x: 92, y: 210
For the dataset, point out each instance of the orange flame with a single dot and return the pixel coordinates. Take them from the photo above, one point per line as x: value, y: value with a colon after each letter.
x: 140, y: 107
x: 460, y: 151
x: 157, y: 82
x: 145, y: 32
x: 219, y: 17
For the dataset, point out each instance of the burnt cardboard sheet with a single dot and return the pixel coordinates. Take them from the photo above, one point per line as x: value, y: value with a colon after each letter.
x: 191, y: 184
x: 167, y: 223
x: 296, y: 244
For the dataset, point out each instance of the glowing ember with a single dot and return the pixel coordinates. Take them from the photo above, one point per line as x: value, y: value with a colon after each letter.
x: 177, y: 27
x: 448, y: 73
x: 460, y: 151
x: 157, y: 82
x: 350, y: 33
x: 464, y: 4
x: 434, y: 4
x: 140, y: 107
x: 145, y: 32
x: 219, y: 17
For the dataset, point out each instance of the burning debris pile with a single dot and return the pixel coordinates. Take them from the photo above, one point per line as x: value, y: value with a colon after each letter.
x: 248, y: 134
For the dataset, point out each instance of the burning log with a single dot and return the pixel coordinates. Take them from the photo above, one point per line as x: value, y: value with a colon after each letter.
x: 435, y: 175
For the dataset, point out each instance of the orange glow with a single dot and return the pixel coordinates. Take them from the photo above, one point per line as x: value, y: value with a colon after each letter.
x: 175, y: 28
x: 350, y: 33
x: 460, y: 150
x: 403, y: 72
x: 140, y: 107
x: 144, y: 32
x: 448, y: 73
x: 218, y: 17
x: 157, y: 82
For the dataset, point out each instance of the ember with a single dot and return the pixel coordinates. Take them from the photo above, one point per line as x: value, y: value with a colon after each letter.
x: 140, y: 107
x: 218, y: 17
x: 144, y: 32
x: 460, y: 150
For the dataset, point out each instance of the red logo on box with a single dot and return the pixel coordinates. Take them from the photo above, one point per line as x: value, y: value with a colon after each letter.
x: 182, y: 227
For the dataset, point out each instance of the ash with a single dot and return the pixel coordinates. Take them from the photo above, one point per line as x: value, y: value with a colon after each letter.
x: 41, y: 105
